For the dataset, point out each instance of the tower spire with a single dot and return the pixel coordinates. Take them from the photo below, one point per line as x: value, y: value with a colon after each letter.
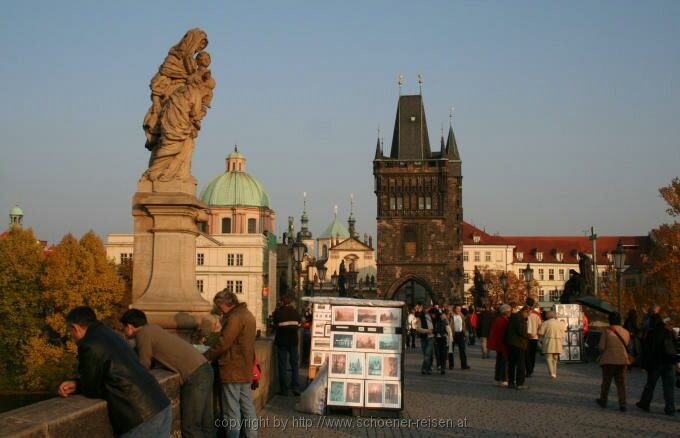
x: 352, y: 221
x: 304, y: 220
x: 378, y: 149
x: 451, y: 146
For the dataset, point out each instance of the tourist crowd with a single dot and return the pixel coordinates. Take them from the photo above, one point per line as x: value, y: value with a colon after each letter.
x: 516, y: 333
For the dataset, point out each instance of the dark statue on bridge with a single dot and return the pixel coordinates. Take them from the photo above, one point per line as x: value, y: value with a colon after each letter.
x: 579, y: 284
x: 479, y: 291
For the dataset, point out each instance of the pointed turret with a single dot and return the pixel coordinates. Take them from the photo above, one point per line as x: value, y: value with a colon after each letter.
x: 451, y: 146
x: 378, y: 150
x: 305, y: 234
x: 410, y: 140
x: 351, y: 221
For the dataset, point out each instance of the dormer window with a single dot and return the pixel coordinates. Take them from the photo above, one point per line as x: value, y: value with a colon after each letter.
x: 559, y: 256
x: 539, y: 256
x: 475, y: 238
x: 610, y: 257
x: 519, y: 255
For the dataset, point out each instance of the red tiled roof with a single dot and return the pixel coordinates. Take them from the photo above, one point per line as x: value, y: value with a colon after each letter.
x: 635, y: 248
x: 469, y: 231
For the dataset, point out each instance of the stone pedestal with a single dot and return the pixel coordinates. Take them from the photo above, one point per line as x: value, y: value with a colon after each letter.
x: 164, y: 270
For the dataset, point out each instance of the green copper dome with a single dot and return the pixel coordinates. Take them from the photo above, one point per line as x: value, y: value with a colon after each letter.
x: 16, y: 211
x: 334, y: 229
x: 235, y: 189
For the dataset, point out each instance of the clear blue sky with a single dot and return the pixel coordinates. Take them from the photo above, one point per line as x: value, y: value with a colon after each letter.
x: 567, y: 113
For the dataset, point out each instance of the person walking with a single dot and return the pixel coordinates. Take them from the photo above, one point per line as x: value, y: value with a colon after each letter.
x: 631, y: 324
x: 287, y: 321
x: 425, y: 329
x: 235, y: 349
x: 533, y: 324
x: 472, y: 319
x: 552, y: 333
x: 459, y: 328
x: 486, y: 318
x: 614, y: 361
x: 497, y: 344
x: 174, y: 353
x: 658, y: 359
x: 516, y: 338
x: 442, y: 336
x: 109, y: 369
x: 411, y: 321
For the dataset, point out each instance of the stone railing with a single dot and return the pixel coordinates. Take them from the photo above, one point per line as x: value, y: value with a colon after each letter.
x: 78, y: 416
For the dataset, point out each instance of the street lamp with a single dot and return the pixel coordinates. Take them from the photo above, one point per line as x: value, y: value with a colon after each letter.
x: 528, y: 276
x: 619, y: 260
x: 299, y: 250
x: 503, y: 278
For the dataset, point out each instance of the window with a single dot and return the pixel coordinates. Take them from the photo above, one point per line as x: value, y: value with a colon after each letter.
x: 521, y: 274
x: 393, y: 203
x: 466, y: 256
x: 324, y: 251
x: 230, y: 259
x: 487, y: 256
x: 539, y: 256
x: 540, y: 274
x: 230, y: 285
x: 239, y: 287
x: 466, y: 278
x: 400, y: 202
x: 410, y: 241
x: 200, y: 259
x: 125, y: 257
x: 476, y: 256
x: 226, y: 225
x: 475, y: 238
x: 551, y: 274
x: 561, y: 274
x: 421, y: 203
x: 239, y: 259
x: 541, y: 295
x: 428, y: 203
x: 555, y: 295
x: 499, y: 256
x: 199, y: 286
x: 610, y: 257
x: 252, y: 226
x: 519, y: 255
x: 560, y: 256
x: 234, y: 259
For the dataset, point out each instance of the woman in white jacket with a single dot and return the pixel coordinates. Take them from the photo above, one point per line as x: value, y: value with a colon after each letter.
x: 552, y: 332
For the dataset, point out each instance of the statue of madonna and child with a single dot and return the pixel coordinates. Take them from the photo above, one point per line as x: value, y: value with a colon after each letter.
x: 181, y: 93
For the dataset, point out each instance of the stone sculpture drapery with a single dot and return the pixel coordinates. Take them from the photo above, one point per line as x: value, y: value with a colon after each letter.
x: 181, y: 92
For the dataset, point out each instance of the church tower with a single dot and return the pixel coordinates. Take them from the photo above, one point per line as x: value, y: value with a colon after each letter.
x: 419, y: 212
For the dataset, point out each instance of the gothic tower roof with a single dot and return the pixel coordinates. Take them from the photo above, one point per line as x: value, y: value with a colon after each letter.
x: 410, y: 140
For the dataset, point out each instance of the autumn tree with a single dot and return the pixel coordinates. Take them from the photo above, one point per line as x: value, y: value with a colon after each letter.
x: 517, y: 288
x: 662, y: 269
x: 21, y: 310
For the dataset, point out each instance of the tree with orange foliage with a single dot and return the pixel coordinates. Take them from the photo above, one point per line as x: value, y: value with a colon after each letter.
x: 662, y: 269
x: 517, y: 288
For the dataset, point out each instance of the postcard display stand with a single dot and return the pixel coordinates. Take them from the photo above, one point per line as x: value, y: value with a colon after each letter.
x: 362, y: 340
x: 571, y: 317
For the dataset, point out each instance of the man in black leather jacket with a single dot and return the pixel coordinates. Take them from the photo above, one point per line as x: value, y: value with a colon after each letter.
x: 109, y: 369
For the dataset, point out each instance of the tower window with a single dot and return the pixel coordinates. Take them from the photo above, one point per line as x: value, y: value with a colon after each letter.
x: 410, y: 241
x: 200, y: 259
x: 226, y: 225
x: 199, y: 286
x: 252, y: 226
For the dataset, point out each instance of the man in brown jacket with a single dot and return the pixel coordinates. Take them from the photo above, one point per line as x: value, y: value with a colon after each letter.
x: 235, y: 353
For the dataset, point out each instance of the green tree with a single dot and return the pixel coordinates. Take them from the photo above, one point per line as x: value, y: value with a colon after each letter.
x: 21, y: 310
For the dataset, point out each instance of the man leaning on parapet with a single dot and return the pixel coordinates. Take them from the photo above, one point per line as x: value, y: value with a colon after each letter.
x: 235, y: 354
x: 109, y: 369
x: 196, y: 375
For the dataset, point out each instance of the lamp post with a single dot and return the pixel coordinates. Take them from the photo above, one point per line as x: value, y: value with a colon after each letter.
x: 299, y: 250
x: 528, y: 276
x: 503, y: 278
x: 619, y: 260
x: 321, y: 269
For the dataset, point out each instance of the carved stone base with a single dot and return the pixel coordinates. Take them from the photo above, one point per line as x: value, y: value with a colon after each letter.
x: 164, y: 268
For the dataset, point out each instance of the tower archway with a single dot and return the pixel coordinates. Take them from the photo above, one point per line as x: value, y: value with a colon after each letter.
x: 412, y: 290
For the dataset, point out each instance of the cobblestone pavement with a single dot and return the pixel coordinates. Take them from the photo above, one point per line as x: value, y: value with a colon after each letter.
x: 475, y: 407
